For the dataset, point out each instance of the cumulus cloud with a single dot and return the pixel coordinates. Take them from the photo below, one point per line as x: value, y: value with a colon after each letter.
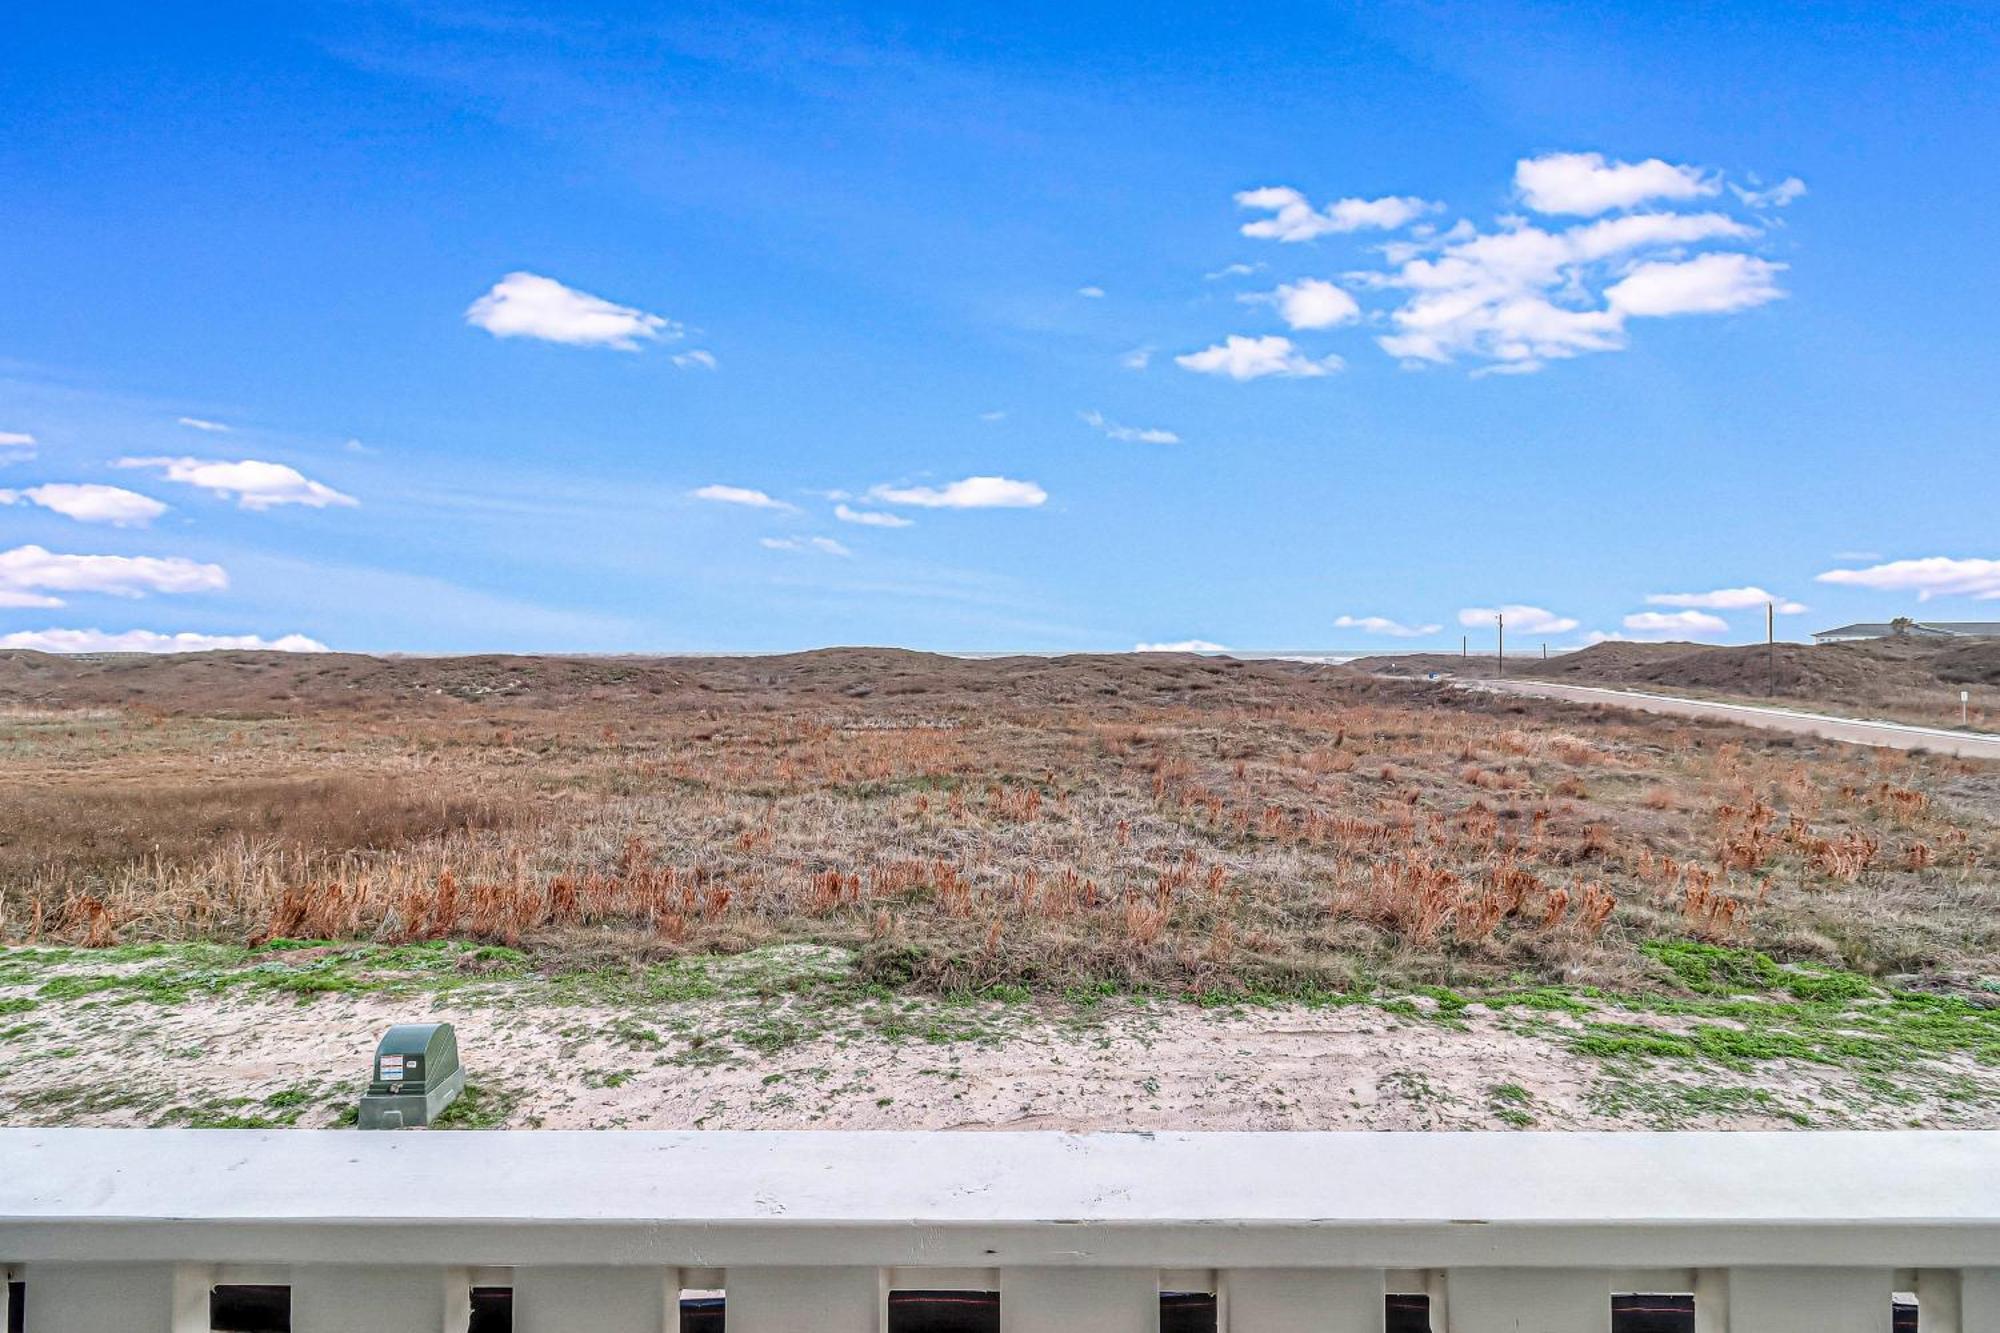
x: 1233, y: 271
x: 971, y: 493
x: 253, y: 484
x: 870, y: 518
x: 1137, y: 359
x: 197, y: 423
x: 1676, y: 622
x: 1931, y: 576
x: 1711, y: 284
x: 1129, y: 434
x: 1309, y: 303
x: 1525, y: 619
x: 1293, y: 218
x: 1726, y: 599
x: 1394, y: 629
x: 90, y: 503
x: 35, y: 576
x: 1184, y: 646
x: 1244, y: 358
x: 527, y: 305
x: 740, y: 495
x: 1777, y: 196
x: 1586, y: 184
x: 822, y: 545
x: 147, y: 641
x: 696, y: 359
x: 1522, y: 296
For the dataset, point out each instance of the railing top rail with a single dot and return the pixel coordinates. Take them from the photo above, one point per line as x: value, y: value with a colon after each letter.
x: 761, y: 1177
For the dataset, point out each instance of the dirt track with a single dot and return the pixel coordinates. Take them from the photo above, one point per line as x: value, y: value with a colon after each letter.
x: 1890, y: 735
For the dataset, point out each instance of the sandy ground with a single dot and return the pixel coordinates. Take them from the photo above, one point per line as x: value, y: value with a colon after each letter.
x: 911, y: 1065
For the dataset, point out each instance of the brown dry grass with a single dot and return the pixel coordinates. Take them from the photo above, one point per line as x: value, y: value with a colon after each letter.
x: 1261, y: 831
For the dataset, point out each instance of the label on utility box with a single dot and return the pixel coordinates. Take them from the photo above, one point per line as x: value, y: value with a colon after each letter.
x: 392, y: 1068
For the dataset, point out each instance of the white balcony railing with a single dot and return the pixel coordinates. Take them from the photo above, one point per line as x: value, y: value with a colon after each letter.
x: 117, y: 1231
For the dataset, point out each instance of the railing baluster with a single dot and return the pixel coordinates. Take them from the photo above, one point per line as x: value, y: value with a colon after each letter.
x: 1528, y: 1300
x: 1979, y: 1300
x: 128, y: 1298
x: 1809, y: 1300
x: 792, y: 1300
x: 1064, y: 1300
x: 1303, y: 1300
x: 583, y: 1299
x: 354, y: 1298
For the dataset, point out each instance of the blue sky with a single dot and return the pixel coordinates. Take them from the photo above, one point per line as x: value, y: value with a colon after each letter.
x: 398, y: 327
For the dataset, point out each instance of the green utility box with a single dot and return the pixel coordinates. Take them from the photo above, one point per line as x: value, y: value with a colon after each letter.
x: 416, y: 1075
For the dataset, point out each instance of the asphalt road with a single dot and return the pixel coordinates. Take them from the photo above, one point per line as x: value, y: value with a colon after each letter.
x: 1893, y: 735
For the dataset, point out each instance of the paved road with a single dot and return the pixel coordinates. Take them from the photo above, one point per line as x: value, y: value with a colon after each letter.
x: 1893, y: 735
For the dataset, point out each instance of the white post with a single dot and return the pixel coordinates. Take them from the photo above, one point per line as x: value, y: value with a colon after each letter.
x: 790, y: 1300
x: 128, y: 1298
x: 1711, y: 1300
x: 1065, y: 1300
x: 1547, y: 1300
x: 597, y: 1300
x: 1303, y: 1300
x: 1979, y: 1300
x: 355, y: 1298
x: 1937, y: 1301
x: 1809, y: 1300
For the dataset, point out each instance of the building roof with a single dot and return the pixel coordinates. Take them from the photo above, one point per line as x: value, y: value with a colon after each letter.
x: 1942, y: 629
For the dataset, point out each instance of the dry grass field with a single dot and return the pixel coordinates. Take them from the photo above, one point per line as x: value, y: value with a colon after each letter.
x: 1172, y: 827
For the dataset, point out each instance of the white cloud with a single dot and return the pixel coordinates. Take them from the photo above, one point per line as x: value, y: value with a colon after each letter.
x: 89, y: 503
x: 1309, y: 303
x: 1522, y: 296
x: 1786, y: 191
x: 971, y: 493
x: 196, y: 423
x: 527, y: 305
x: 33, y: 576
x: 870, y: 518
x: 823, y: 545
x: 996, y: 415
x: 1525, y: 619
x: 16, y: 446
x: 1710, y: 284
x: 1129, y: 434
x: 1293, y: 218
x: 1931, y: 576
x: 1137, y: 359
x: 1094, y: 293
x: 1726, y: 599
x: 741, y: 495
x: 1233, y: 271
x: 696, y: 359
x: 1676, y: 622
x: 253, y: 484
x: 1394, y: 629
x: 1245, y: 358
x: 147, y: 641
x: 1184, y: 646
x: 1587, y: 184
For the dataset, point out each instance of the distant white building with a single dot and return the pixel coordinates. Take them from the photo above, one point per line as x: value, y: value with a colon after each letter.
x: 1928, y: 630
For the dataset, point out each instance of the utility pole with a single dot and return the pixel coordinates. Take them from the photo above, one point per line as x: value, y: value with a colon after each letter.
x: 1500, y: 620
x: 1464, y: 645
x: 1545, y: 650
x: 1771, y: 649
